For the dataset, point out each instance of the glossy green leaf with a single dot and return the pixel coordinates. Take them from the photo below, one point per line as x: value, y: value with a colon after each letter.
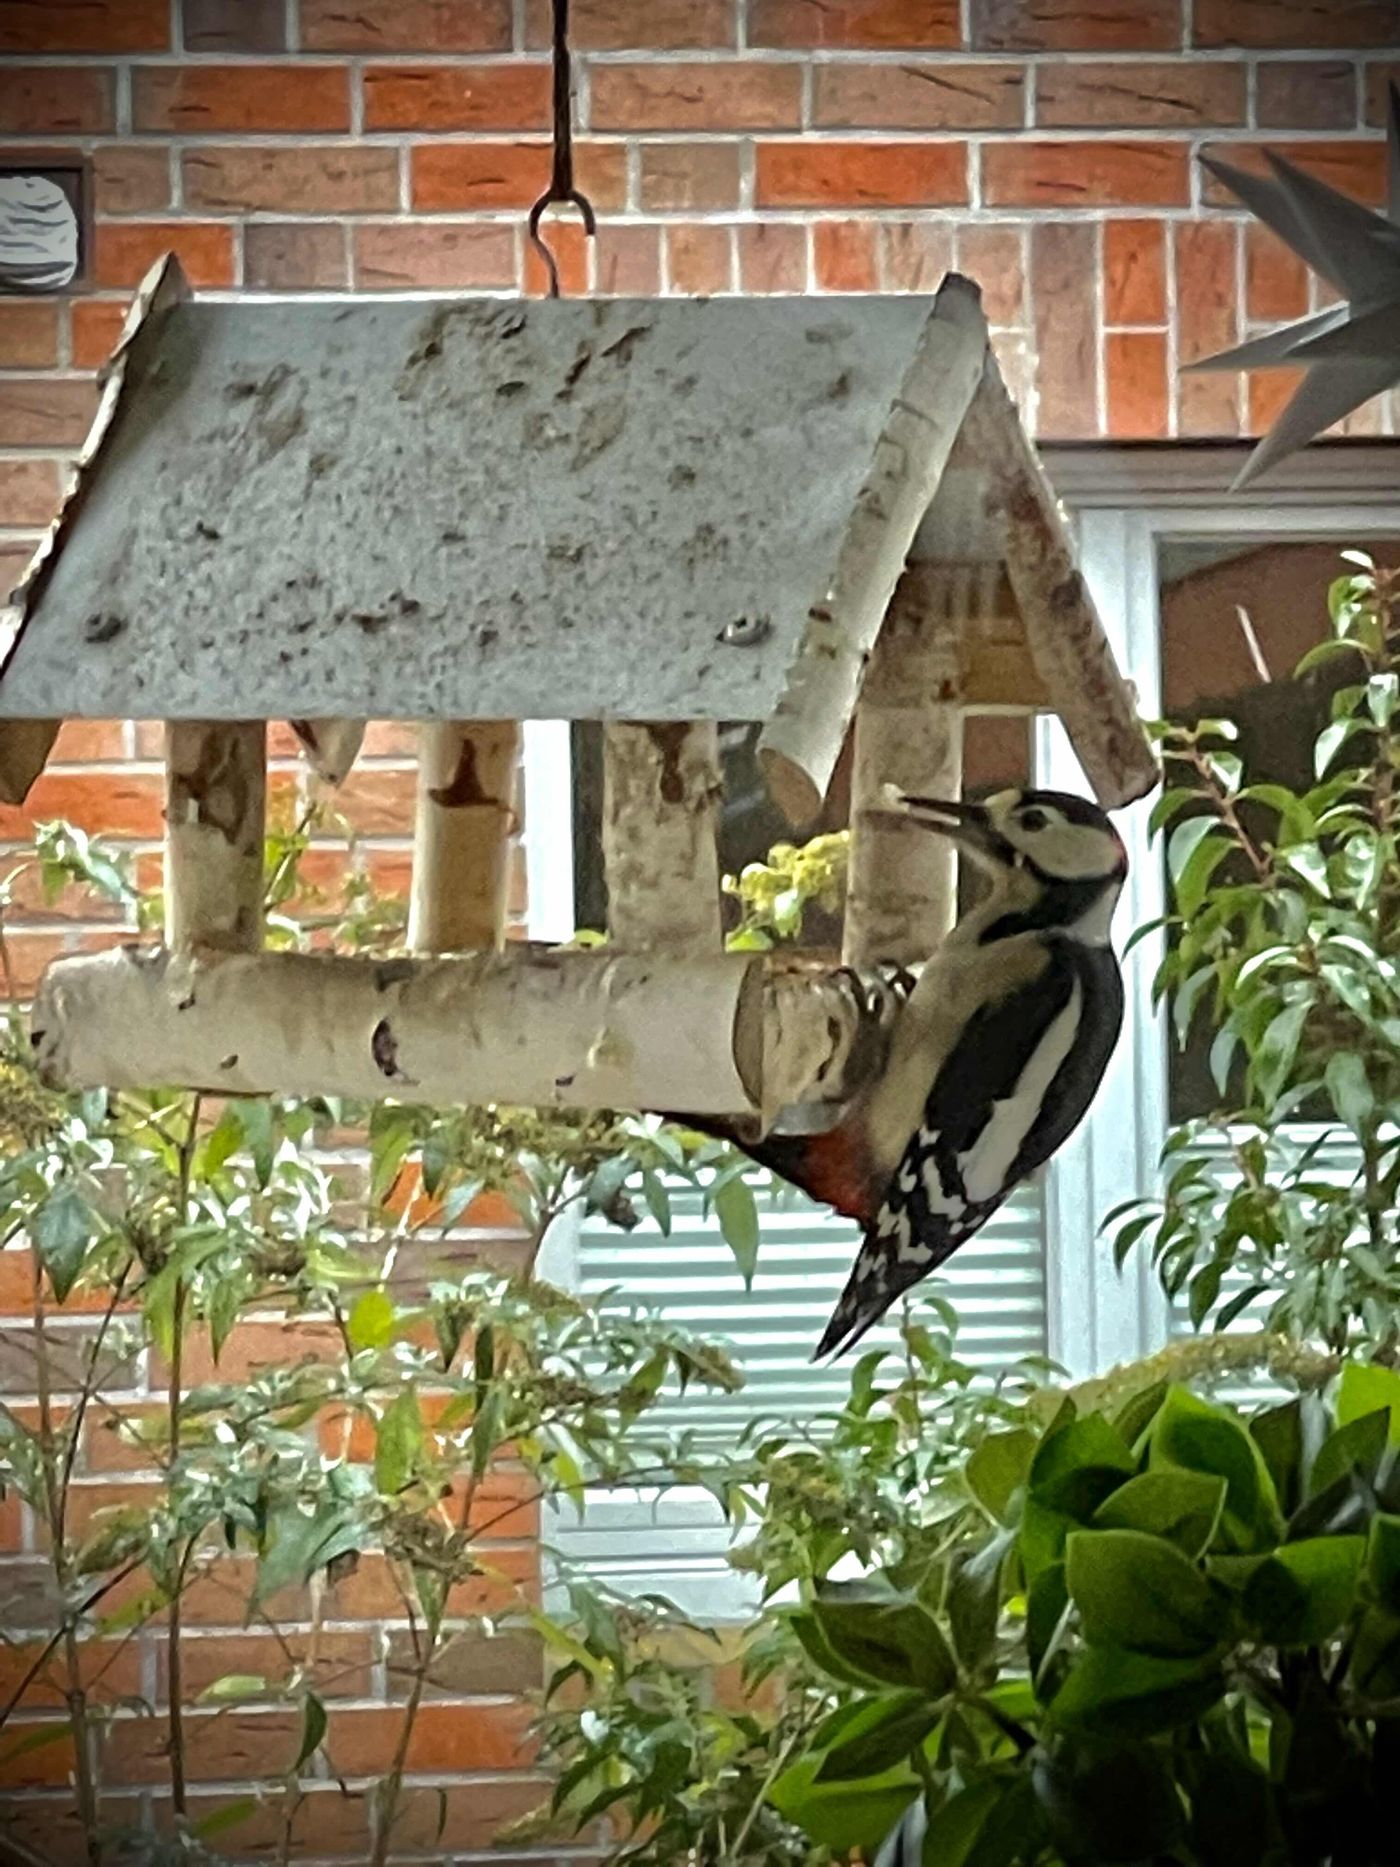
x: 887, y: 1637
x: 398, y: 1442
x: 1120, y: 1694
x: 1108, y: 1801
x: 843, y: 1816
x: 883, y: 1736
x: 314, y: 1724
x: 1383, y: 1560
x: 737, y: 1212
x: 1076, y: 1468
x: 1140, y: 1593
x: 1190, y: 1434
x: 1183, y: 1507
x: 998, y: 1467
x: 62, y: 1230
x: 1304, y: 1592
x: 1365, y: 1388
x: 372, y: 1319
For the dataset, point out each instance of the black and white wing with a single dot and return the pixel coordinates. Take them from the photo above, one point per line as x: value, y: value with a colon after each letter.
x: 1017, y: 1082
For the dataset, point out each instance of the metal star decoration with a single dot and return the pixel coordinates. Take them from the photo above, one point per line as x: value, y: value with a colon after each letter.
x: 1351, y: 351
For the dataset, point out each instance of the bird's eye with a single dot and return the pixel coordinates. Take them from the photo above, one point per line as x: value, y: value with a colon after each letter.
x: 1034, y: 819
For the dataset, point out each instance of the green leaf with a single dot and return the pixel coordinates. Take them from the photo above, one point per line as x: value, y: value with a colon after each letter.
x: 227, y: 1815
x: 1184, y: 1507
x: 1355, y: 1448
x: 397, y: 1444
x: 1365, y: 1388
x: 1273, y: 1058
x: 658, y: 1200
x: 883, y: 1734
x: 1383, y: 1560
x: 1302, y: 1594
x: 62, y: 1231
x: 296, y: 1543
x: 737, y: 1212
x: 843, y: 1817
x: 254, y: 1116
x: 314, y: 1723
x: 41, y: 1738
x: 1330, y: 742
x: 1233, y: 1820
x: 1350, y: 1089
x: 1191, y: 1435
x: 1075, y: 1469
x: 1185, y: 840
x: 1123, y: 1694
x: 1107, y: 1801
x: 372, y: 1319
x: 1283, y: 1434
x: 886, y: 1636
x: 998, y: 1467
x: 955, y: 1829
x: 234, y: 1687
x: 1139, y: 1592
x: 1193, y: 883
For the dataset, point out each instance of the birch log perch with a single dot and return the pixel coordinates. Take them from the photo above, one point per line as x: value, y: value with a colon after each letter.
x: 735, y: 1034
x: 661, y: 791
x: 461, y: 835
x: 902, y: 892
x: 1068, y: 648
x: 215, y: 824
x: 800, y: 745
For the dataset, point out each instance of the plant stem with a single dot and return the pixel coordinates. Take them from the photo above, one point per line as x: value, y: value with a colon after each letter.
x: 55, y: 1503
x: 175, y: 1652
x: 391, y: 1785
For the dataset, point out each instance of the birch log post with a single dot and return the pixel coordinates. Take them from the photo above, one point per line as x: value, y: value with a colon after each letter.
x: 902, y: 892
x: 461, y: 835
x: 731, y: 1034
x: 801, y: 743
x: 1068, y: 648
x: 215, y: 824
x: 661, y: 792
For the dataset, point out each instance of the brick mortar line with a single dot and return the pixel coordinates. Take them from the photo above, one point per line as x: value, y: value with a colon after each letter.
x: 663, y: 56
x: 185, y: 140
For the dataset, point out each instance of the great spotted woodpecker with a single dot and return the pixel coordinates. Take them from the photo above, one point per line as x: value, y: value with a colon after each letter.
x: 995, y: 1057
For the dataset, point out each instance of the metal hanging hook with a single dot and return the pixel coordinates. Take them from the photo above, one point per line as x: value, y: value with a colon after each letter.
x: 561, y: 191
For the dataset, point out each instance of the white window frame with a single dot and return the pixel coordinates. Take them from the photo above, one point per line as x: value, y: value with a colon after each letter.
x: 1123, y: 501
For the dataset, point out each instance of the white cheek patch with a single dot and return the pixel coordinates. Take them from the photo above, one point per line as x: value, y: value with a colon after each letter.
x: 987, y: 1163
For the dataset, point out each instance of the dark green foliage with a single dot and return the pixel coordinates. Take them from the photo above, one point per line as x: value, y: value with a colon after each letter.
x: 1284, y: 941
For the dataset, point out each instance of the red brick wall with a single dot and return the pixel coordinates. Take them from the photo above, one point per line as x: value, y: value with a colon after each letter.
x: 1045, y: 146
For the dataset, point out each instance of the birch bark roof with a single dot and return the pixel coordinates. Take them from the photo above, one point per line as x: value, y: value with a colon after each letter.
x: 461, y: 509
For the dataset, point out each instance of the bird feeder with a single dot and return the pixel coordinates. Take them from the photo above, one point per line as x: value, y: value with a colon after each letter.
x: 814, y: 514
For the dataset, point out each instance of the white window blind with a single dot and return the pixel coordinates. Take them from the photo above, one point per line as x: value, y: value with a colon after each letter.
x: 676, y: 1544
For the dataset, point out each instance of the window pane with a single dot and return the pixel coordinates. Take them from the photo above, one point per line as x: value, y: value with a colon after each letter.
x: 1237, y: 617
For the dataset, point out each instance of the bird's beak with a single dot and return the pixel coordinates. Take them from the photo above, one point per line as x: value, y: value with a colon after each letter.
x: 968, y: 825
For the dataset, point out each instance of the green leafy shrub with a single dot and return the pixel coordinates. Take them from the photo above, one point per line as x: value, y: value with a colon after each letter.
x: 1284, y: 937
x: 1166, y: 1634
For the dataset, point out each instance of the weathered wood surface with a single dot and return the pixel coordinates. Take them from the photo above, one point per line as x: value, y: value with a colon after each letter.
x: 735, y: 1034
x: 661, y: 797
x: 462, y: 832
x: 901, y: 896
x: 803, y: 739
x: 215, y: 828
